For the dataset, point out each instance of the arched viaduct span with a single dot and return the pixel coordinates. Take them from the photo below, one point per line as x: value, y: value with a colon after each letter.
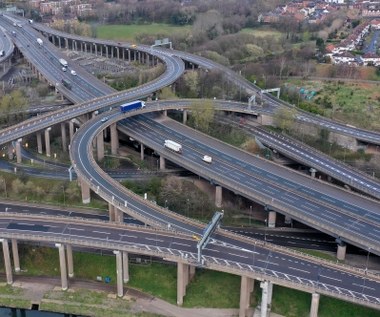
x: 260, y: 262
x: 63, y: 41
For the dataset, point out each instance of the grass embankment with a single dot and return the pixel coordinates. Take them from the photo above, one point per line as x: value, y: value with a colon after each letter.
x: 357, y: 103
x: 131, y: 32
x: 208, y: 288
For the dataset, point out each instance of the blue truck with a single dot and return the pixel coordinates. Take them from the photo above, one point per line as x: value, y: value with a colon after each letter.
x: 132, y: 106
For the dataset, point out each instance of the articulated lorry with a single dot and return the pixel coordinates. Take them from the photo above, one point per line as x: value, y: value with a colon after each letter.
x: 132, y: 106
x: 174, y: 146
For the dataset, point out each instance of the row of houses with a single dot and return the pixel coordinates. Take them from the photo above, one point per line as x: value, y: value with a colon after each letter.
x: 300, y: 11
x: 73, y: 7
x: 342, y: 53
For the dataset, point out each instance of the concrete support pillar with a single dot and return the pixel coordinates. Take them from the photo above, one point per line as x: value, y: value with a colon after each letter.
x: 10, y: 151
x: 329, y: 178
x: 191, y: 272
x: 182, y: 280
x: 341, y: 252
x: 85, y: 192
x: 165, y: 113
x: 119, y: 273
x: 184, y: 119
x: 18, y: 151
x: 7, y: 262
x: 71, y: 130
x: 39, y: 142
x: 16, y: 259
x: 119, y: 215
x: 162, y: 163
x: 142, y: 152
x: 62, y: 264
x: 47, y: 142
x: 312, y: 172
x: 125, y: 267
x: 264, y: 299
x: 270, y: 295
x: 272, y: 219
x: 111, y: 212
x: 64, y: 136
x: 114, y: 139
x: 100, y: 146
x: 245, y: 295
x: 218, y: 196
x: 70, y: 262
x: 314, y: 305
x: 288, y: 220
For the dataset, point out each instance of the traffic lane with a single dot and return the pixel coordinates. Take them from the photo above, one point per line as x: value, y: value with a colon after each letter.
x: 39, y: 59
x: 318, y: 160
x: 120, y: 194
x: 258, y: 166
x: 273, y: 263
x: 312, y: 209
x: 268, y: 261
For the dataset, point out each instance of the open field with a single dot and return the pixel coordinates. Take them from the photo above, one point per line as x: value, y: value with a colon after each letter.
x: 262, y: 32
x: 129, y: 32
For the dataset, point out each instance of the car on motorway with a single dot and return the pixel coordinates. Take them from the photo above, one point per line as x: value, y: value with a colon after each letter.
x: 104, y: 119
x: 64, y: 69
x: 73, y: 72
x: 207, y: 159
x: 197, y: 238
x: 2, y: 53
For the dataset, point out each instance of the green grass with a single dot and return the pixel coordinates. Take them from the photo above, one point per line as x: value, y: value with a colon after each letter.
x: 129, y: 32
x: 262, y: 32
x: 213, y: 289
x: 331, y: 307
x: 291, y: 303
x: 319, y: 254
x: 156, y: 279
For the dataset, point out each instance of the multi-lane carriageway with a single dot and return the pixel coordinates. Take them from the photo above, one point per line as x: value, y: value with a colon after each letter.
x: 48, y: 120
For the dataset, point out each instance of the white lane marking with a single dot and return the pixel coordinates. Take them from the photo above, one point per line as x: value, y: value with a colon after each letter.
x: 295, y: 269
x: 183, y: 244
x: 331, y: 278
x: 371, y: 288
x: 94, y: 231
x: 152, y: 239
x: 126, y: 235
x: 77, y: 229
x: 267, y: 262
x: 241, y: 256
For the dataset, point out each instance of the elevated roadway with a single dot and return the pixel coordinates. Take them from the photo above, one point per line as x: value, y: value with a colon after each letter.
x: 125, y: 201
x: 259, y: 263
x: 337, y: 212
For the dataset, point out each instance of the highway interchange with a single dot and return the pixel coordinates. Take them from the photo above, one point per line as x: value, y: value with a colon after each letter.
x: 156, y: 216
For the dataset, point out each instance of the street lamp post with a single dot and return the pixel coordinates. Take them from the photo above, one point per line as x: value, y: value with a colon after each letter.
x: 366, y: 264
x: 166, y: 201
x: 265, y: 232
x: 187, y: 207
x: 250, y: 213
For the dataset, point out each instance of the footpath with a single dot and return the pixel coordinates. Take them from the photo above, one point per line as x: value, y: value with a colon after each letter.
x: 34, y: 289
